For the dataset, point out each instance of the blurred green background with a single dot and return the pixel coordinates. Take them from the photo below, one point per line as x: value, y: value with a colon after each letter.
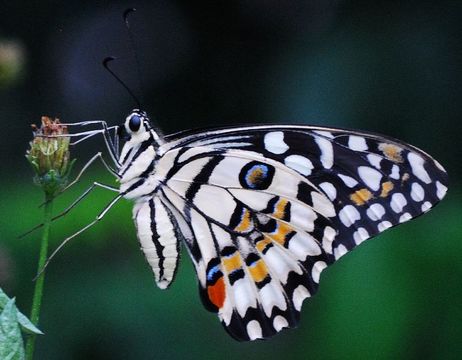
x: 393, y: 67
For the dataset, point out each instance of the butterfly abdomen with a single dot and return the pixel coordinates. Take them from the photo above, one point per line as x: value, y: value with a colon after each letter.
x: 156, y: 230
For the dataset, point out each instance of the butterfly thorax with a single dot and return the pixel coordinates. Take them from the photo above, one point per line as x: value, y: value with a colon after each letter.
x: 138, y: 157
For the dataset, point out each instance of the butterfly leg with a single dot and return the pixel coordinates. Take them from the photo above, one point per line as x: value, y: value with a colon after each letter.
x: 66, y: 240
x: 76, y: 201
x: 111, y: 144
x: 85, y: 167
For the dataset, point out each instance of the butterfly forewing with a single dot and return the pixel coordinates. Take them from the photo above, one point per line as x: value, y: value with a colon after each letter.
x: 263, y: 210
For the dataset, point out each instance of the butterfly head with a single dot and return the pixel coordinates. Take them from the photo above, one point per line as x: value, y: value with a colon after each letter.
x: 136, y: 124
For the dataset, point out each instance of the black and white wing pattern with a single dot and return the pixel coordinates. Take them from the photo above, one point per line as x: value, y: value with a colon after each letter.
x: 263, y: 210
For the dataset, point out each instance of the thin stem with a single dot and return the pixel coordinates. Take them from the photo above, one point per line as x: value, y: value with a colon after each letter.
x: 38, y: 291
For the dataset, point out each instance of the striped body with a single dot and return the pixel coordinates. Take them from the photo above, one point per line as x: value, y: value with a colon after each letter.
x: 264, y: 210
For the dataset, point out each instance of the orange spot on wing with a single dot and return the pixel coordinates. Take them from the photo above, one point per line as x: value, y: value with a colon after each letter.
x: 280, y: 209
x: 280, y: 234
x: 262, y: 244
x: 217, y: 293
x: 232, y: 262
x: 361, y: 197
x: 391, y: 152
x: 386, y: 188
x: 258, y: 270
x: 255, y: 175
x: 245, y: 224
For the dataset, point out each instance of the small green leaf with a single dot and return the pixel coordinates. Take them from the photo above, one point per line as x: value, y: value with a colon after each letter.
x: 25, y: 323
x: 12, y: 346
x: 3, y: 299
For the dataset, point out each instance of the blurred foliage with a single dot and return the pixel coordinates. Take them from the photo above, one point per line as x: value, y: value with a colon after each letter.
x: 12, y: 59
x: 386, y: 66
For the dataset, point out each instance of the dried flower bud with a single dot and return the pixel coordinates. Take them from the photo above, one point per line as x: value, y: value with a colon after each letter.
x: 49, y: 155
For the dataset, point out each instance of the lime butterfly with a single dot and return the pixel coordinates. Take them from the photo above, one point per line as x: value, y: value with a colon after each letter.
x: 263, y: 210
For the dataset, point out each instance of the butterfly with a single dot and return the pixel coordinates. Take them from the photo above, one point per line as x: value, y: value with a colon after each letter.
x: 263, y: 210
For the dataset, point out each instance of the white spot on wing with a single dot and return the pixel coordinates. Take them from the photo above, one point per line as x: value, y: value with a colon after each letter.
x: 274, y: 142
x: 384, y: 225
x: 329, y: 190
x: 405, y: 217
x: 254, y: 330
x: 375, y: 212
x: 340, y: 251
x: 300, y: 294
x: 349, y: 215
x: 357, y: 143
x: 327, y: 152
x: 328, y: 237
x: 360, y: 235
x: 395, y: 172
x: 417, y: 166
x: 398, y: 202
x: 417, y: 192
x: 374, y: 160
x: 348, y: 180
x: 318, y: 267
x: 440, y: 190
x: 371, y: 177
x: 279, y: 323
x: 299, y: 163
x: 426, y: 206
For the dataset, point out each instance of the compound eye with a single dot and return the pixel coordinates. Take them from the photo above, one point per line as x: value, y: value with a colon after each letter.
x: 134, y: 123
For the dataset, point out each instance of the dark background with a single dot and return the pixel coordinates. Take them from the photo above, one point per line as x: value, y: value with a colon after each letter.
x: 393, y: 67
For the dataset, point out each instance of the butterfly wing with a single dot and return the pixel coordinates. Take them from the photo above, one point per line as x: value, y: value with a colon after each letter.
x: 265, y: 209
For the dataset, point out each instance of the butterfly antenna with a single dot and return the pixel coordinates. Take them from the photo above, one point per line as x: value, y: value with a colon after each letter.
x: 126, y: 15
x: 106, y: 62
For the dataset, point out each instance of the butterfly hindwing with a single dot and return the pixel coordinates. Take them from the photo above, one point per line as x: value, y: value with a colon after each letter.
x: 248, y: 272
x: 259, y: 254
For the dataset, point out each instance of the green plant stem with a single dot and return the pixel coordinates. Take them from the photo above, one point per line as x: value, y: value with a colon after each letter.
x: 38, y: 291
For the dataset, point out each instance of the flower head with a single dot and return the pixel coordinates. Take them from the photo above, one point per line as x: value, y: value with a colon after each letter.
x: 49, y: 155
